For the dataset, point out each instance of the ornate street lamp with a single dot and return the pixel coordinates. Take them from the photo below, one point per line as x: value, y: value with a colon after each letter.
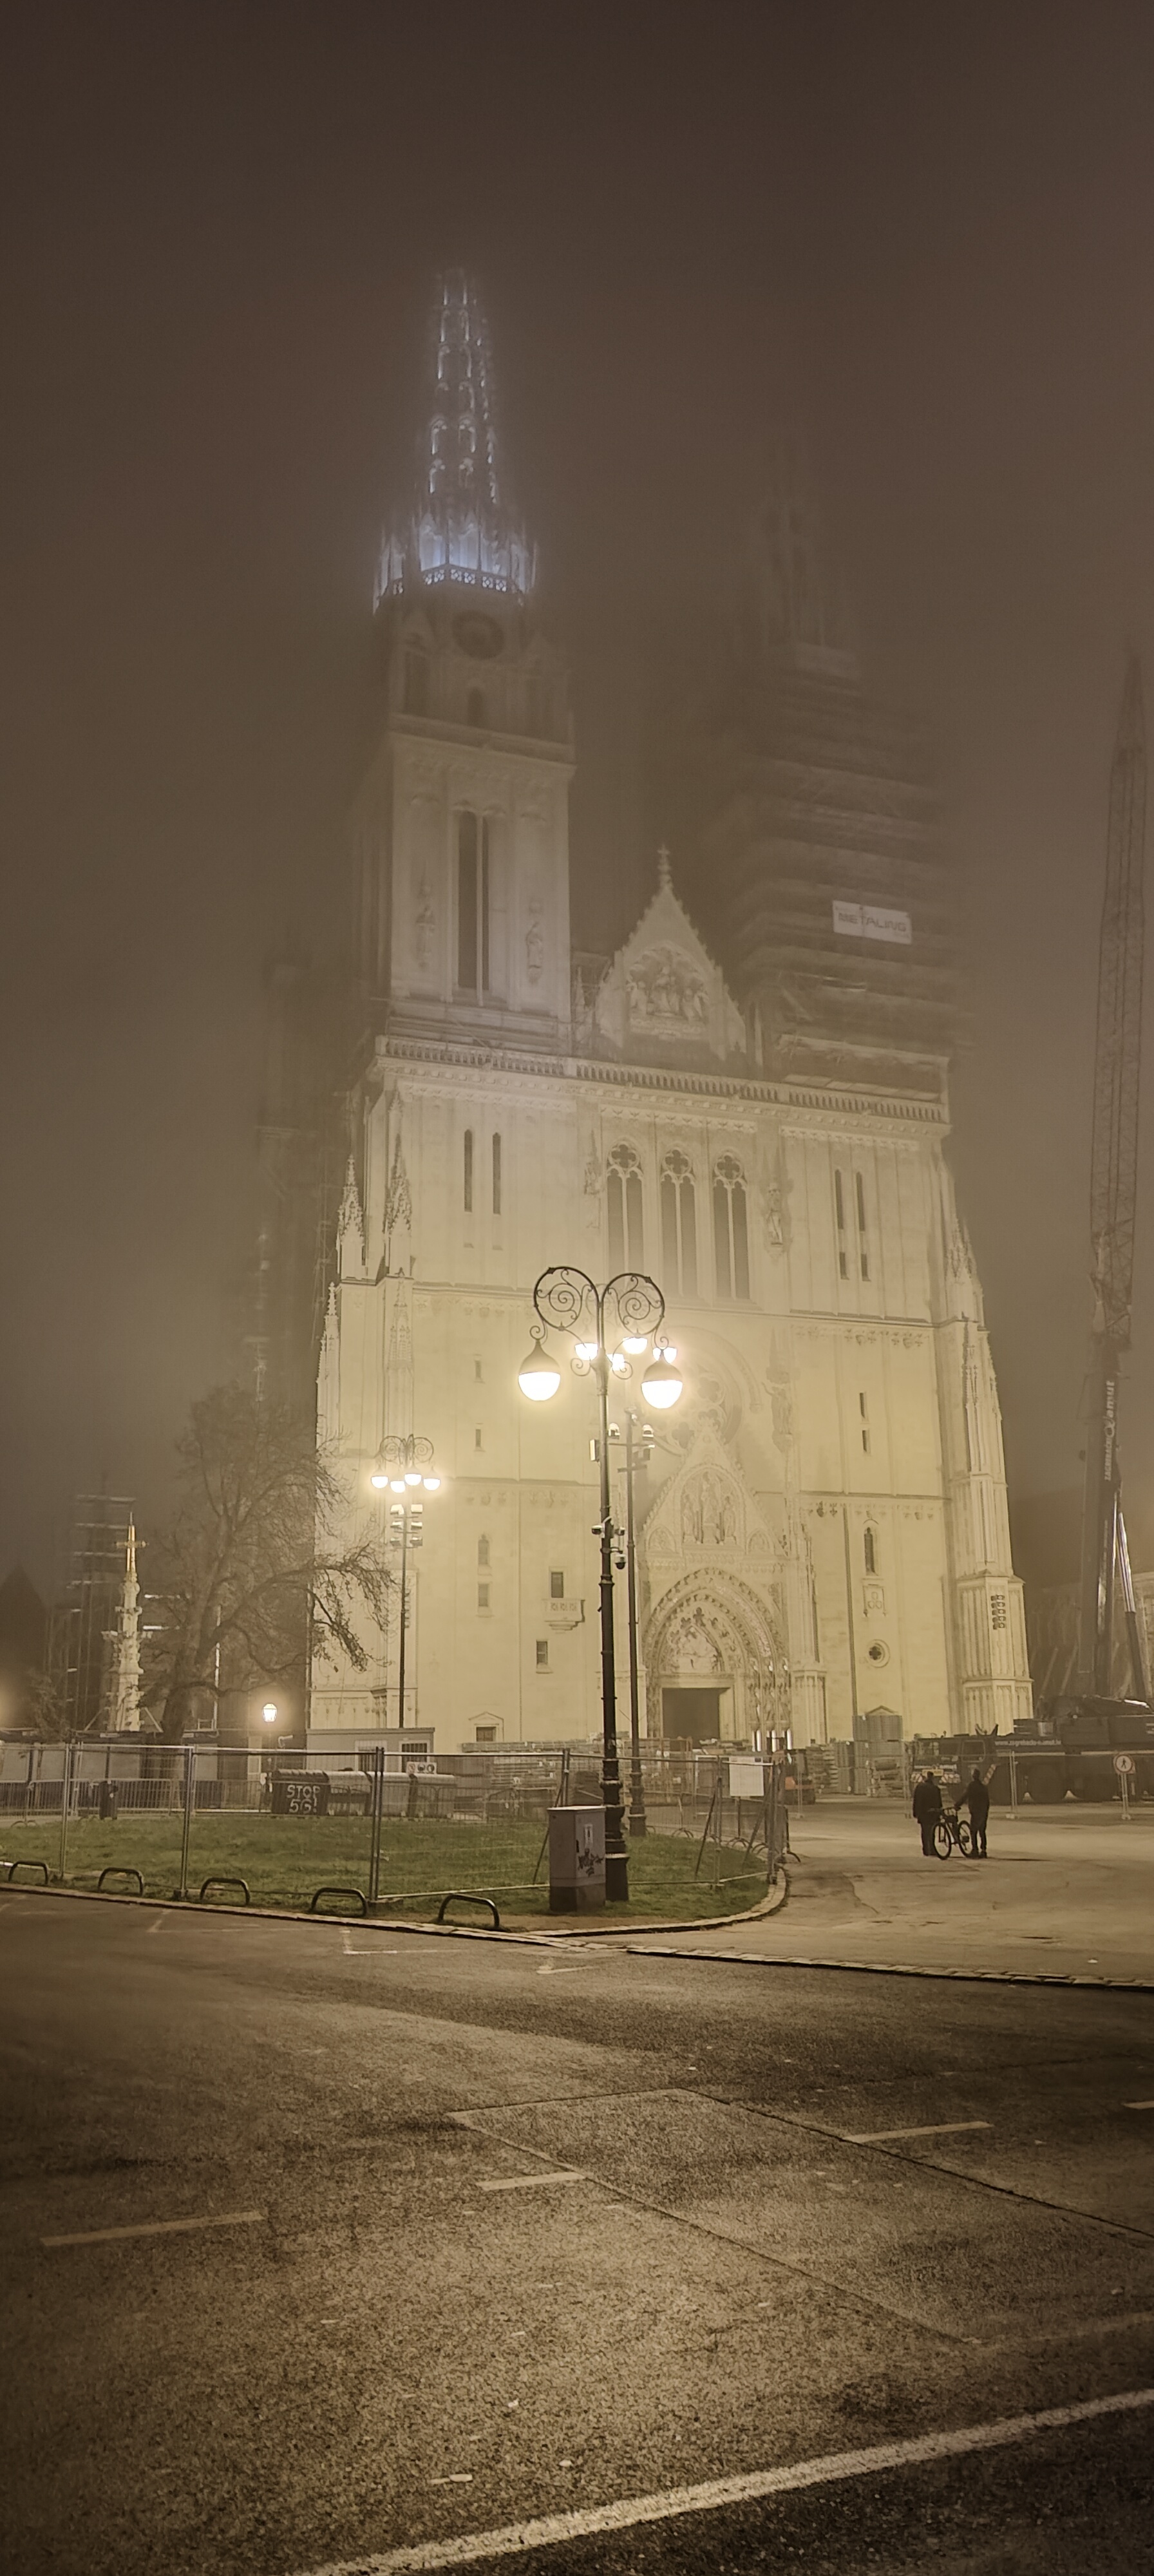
x: 403, y: 1467
x: 633, y: 1308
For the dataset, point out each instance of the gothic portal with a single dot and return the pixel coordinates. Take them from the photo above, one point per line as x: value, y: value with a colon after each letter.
x: 748, y: 1100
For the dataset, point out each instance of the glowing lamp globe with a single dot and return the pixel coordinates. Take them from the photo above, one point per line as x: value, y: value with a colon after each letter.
x: 538, y: 1376
x: 379, y: 1482
x: 634, y: 1343
x: 412, y: 1475
x: 662, y: 1382
x: 269, y: 1712
x: 432, y: 1484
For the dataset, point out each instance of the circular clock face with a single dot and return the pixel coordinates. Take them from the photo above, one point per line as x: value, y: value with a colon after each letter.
x: 479, y: 636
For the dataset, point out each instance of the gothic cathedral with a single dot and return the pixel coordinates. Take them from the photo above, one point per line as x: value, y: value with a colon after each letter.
x: 749, y: 1101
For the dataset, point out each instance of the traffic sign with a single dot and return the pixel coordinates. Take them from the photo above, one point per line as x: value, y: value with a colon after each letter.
x: 1123, y: 1762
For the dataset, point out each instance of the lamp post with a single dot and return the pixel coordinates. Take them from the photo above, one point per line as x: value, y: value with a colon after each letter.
x: 568, y: 1301
x: 634, y: 1464
x: 402, y: 1468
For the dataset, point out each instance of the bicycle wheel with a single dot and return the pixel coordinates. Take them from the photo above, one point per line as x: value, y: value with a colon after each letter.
x: 943, y: 1839
x: 965, y: 1839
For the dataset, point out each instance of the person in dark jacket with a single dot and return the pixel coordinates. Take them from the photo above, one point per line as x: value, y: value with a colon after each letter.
x: 927, y: 1809
x: 976, y: 1797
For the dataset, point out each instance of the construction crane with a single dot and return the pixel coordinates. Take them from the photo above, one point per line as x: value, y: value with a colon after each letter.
x: 1113, y: 1197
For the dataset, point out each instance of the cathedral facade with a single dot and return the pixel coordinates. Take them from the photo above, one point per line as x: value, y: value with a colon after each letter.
x: 747, y: 1101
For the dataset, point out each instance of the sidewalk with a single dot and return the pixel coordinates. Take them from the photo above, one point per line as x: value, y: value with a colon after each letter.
x: 1065, y: 1892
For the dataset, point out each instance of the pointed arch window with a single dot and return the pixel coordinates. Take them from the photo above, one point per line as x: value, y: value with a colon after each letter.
x: 870, y: 1546
x: 730, y: 1229
x: 624, y: 1209
x: 679, y: 1224
x: 496, y: 1175
x: 473, y: 874
x: 468, y: 1171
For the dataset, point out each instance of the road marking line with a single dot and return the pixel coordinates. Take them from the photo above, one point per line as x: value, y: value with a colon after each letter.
x: 516, y: 2539
x: 938, y: 2129
x: 157, y: 1924
x: 531, y: 2182
x: 1138, y: 2106
x: 161, y: 2227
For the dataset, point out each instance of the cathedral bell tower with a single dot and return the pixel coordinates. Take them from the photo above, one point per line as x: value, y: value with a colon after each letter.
x: 461, y: 826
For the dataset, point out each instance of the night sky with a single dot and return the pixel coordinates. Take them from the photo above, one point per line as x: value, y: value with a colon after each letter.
x: 929, y: 231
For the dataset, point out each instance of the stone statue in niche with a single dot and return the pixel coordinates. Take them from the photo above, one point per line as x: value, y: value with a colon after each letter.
x: 774, y: 1214
x: 708, y: 1513
x: 782, y: 1404
x: 424, y: 924
x: 534, y: 941
x: 667, y: 994
x: 592, y: 1182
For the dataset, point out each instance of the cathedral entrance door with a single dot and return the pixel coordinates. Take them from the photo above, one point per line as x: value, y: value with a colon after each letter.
x: 691, y: 1715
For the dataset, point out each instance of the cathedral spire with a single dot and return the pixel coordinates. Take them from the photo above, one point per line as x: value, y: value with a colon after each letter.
x: 798, y: 606
x: 461, y: 531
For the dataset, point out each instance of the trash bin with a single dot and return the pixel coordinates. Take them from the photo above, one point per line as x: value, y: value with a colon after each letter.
x: 576, y: 1859
x: 106, y: 1802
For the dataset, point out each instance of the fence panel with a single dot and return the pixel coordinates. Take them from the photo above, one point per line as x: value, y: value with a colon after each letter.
x: 290, y: 1825
x: 282, y: 1826
x: 88, y: 1809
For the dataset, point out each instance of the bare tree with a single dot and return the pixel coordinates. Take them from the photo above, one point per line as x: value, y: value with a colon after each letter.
x: 255, y: 1567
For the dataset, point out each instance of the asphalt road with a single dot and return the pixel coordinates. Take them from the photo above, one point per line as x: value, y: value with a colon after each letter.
x: 497, y: 2235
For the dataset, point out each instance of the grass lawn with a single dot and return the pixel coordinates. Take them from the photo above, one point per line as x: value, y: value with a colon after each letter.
x: 283, y: 1859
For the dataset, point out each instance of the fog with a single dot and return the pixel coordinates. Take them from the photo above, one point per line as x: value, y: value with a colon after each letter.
x: 930, y: 238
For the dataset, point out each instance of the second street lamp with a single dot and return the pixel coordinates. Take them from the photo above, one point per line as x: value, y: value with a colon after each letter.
x: 403, y: 1468
x: 568, y: 1301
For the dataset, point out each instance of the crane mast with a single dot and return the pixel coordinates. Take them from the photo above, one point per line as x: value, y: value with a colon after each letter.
x: 1113, y: 1199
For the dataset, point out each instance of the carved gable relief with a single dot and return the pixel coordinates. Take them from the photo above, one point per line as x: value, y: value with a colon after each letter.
x: 667, y: 994
x: 689, y: 1647
x: 663, y: 991
x: 705, y: 1510
x: 708, y: 1511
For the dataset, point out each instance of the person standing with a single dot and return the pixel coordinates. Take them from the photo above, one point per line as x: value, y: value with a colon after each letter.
x: 927, y: 1810
x: 976, y: 1797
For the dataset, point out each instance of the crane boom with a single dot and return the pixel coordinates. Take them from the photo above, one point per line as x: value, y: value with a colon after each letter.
x: 1113, y: 1192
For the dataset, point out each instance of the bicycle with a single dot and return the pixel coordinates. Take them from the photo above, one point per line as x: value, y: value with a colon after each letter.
x: 951, y: 1832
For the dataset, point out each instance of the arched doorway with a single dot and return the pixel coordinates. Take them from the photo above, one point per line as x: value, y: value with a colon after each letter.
x: 713, y: 1662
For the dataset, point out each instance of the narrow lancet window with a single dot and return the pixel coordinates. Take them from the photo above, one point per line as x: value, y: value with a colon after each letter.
x: 730, y: 1229
x: 624, y: 1210
x: 679, y: 1225
x: 472, y: 902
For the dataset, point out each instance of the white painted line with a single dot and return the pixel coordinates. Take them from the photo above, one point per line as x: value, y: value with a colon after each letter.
x: 157, y: 1924
x: 515, y: 2539
x: 531, y: 2182
x: 1138, y: 2106
x: 938, y: 2129
x: 161, y: 2227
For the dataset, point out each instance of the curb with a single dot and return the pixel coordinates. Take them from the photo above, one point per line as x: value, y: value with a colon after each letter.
x: 578, y: 1931
x: 877, y: 1968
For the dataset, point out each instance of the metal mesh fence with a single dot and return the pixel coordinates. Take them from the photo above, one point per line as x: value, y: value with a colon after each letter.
x: 339, y: 1831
